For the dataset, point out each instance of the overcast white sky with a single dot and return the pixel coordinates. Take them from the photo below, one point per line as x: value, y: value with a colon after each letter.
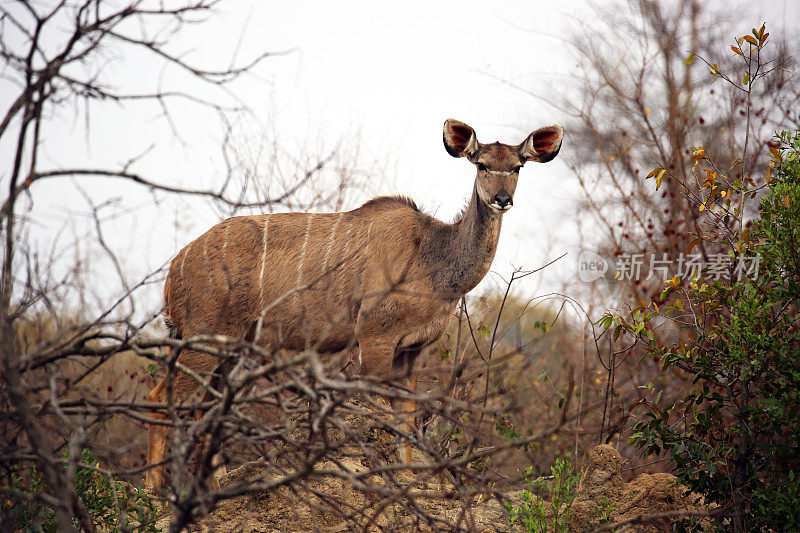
x: 383, y: 76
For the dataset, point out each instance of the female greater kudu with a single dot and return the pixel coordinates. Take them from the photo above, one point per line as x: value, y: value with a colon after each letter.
x: 383, y: 278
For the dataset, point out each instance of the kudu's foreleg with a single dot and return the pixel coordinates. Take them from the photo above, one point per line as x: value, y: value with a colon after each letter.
x: 404, y: 363
x: 380, y: 358
x: 408, y: 410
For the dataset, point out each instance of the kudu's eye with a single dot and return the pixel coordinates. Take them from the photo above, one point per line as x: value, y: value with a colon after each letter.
x: 481, y: 167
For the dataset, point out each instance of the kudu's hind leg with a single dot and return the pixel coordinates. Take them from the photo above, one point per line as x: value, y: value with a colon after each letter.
x: 156, y: 440
x: 183, y: 387
x: 217, y: 463
x: 199, y: 452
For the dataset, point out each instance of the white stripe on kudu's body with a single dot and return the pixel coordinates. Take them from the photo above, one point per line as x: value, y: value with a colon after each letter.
x: 303, y: 250
x: 210, y: 282
x: 186, y: 252
x: 263, y: 262
x: 340, y: 270
x: 330, y: 243
x: 225, y: 242
x: 395, y: 277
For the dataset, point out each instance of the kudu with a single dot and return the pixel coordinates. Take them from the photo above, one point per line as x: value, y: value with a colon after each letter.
x: 383, y: 279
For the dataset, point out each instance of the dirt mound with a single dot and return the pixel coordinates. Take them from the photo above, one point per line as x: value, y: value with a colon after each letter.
x: 284, y: 509
x: 360, y: 487
x: 648, y: 494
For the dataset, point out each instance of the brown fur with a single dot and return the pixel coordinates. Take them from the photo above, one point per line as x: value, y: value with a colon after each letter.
x: 382, y: 279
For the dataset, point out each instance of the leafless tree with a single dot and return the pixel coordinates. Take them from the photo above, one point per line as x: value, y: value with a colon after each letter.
x: 53, y: 58
x: 77, y: 356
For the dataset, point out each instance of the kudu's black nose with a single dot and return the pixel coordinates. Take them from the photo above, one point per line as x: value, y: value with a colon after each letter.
x: 503, y: 201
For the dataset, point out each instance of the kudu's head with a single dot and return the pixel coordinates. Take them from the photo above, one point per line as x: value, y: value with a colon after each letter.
x: 499, y: 164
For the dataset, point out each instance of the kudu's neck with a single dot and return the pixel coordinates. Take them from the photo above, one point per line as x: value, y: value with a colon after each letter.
x: 468, y: 249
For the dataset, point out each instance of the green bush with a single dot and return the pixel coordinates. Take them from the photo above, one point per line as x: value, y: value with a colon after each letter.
x: 540, y: 516
x: 112, y: 505
x: 735, y: 438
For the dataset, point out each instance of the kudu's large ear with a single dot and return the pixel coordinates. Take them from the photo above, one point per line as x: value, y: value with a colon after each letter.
x: 542, y: 145
x: 459, y: 139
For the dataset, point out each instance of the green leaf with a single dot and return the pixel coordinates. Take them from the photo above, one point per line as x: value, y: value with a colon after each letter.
x: 689, y: 59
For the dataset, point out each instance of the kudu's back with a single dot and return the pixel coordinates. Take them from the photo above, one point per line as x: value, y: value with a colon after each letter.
x: 303, y: 276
